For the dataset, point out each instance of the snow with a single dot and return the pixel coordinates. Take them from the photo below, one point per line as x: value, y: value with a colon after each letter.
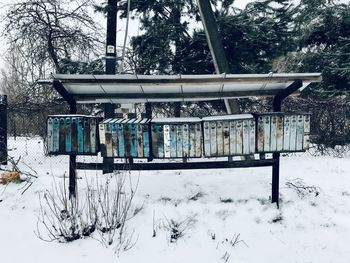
x: 311, y: 229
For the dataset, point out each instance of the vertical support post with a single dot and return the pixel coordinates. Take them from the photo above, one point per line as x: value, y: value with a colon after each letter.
x: 111, y: 41
x: 72, y: 161
x: 277, y: 107
x: 3, y: 129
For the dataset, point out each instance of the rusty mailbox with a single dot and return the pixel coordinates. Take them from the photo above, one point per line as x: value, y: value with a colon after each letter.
x: 229, y: 135
x: 176, y: 138
x: 72, y: 134
x: 124, y: 138
x: 282, y: 132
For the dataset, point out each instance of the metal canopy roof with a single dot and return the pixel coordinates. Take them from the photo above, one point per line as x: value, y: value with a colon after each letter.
x: 164, y: 88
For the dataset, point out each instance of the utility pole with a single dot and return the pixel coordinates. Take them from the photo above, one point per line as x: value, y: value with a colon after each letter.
x: 216, y: 47
x: 110, y: 65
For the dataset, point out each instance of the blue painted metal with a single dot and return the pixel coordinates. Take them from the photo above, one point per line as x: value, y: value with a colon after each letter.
x: 146, y: 145
x: 74, y: 126
x: 55, y: 133
x: 121, y: 141
x: 160, y: 141
x: 68, y: 135
x: 50, y: 135
x: 87, y: 142
x: 179, y: 144
x: 80, y: 135
x: 133, y: 138
x: 93, y: 132
x: 154, y: 128
x: 173, y: 141
x: 115, y: 148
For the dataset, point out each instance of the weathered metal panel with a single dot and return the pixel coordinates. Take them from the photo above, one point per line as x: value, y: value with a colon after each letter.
x: 87, y: 142
x: 121, y: 141
x: 179, y: 144
x: 192, y: 140
x: 133, y: 138
x: 166, y: 141
x: 213, y: 139
x: 267, y: 134
x: 293, y: 133
x: 50, y: 135
x: 140, y: 143
x: 279, y: 133
x: 80, y: 135
x: 75, y: 135
x: 260, y: 134
x: 207, y: 138
x: 68, y: 133
x: 198, y: 142
x: 286, y: 133
x: 300, y: 132
x: 93, y: 136
x: 56, y: 127
x: 220, y: 138
x: 173, y: 142
x: 246, y: 135
x: 115, y: 146
x: 226, y: 137
x: 239, y: 137
x: 273, y: 137
x: 62, y: 135
x: 233, y: 136
x: 146, y: 144
x: 154, y: 140
x: 306, y: 132
x: 127, y: 139
x: 160, y: 140
x: 252, y: 135
x: 109, y: 146
x: 185, y: 140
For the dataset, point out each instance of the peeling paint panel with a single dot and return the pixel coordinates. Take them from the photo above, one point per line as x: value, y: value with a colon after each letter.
x: 246, y: 147
x: 213, y: 139
x: 239, y: 137
x: 166, y: 141
x: 260, y: 135
x: 226, y: 135
x: 219, y: 138
x: 173, y: 141
x: 252, y: 135
x: 279, y: 133
x: 198, y: 140
x: 267, y: 133
x: 207, y: 140
x: 300, y: 132
x: 293, y: 133
x: 233, y: 141
x: 179, y: 142
x: 286, y: 135
x: 273, y: 136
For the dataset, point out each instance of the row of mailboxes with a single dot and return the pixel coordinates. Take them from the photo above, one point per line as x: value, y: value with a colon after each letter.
x: 282, y: 132
x: 125, y: 138
x: 215, y: 136
x: 72, y: 134
x: 176, y: 138
x: 229, y: 135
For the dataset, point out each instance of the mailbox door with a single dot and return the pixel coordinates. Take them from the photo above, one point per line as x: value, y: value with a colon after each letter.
x: 260, y: 142
x: 93, y: 135
x: 50, y: 135
x: 306, y: 132
x: 160, y: 140
x: 213, y: 139
x: 179, y: 143
x: 133, y: 139
x: 192, y: 144
x: 267, y: 134
x: 293, y: 133
x: 109, y: 146
x: 68, y: 135
x: 273, y: 133
x: 233, y: 135
x: 87, y: 142
x: 300, y: 132
x: 56, y: 127
x: 286, y: 133
x: 206, y: 138
x: 198, y: 138
x: 279, y: 133
x: 246, y: 147
x: 154, y: 141
x: 75, y: 135
x: 226, y: 139
x: 252, y: 135
x: 239, y: 137
x: 140, y: 140
x: 80, y: 135
x: 127, y: 140
x: 62, y: 135
x: 167, y: 141
x: 185, y: 140
x: 121, y: 141
x: 173, y: 142
x: 220, y: 138
x: 115, y: 146
x: 146, y: 145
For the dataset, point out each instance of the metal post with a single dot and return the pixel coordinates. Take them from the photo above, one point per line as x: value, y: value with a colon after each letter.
x: 3, y: 129
x: 110, y: 66
x: 277, y: 107
x: 72, y: 161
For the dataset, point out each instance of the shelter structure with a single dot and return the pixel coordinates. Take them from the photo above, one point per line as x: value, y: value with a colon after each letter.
x: 85, y: 89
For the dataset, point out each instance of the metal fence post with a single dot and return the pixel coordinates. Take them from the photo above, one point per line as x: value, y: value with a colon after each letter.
x: 3, y: 129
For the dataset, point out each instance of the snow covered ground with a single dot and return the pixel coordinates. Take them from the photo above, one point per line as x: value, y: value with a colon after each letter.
x: 221, y: 205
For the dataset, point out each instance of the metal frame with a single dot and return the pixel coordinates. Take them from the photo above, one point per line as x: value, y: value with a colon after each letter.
x: 130, y: 165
